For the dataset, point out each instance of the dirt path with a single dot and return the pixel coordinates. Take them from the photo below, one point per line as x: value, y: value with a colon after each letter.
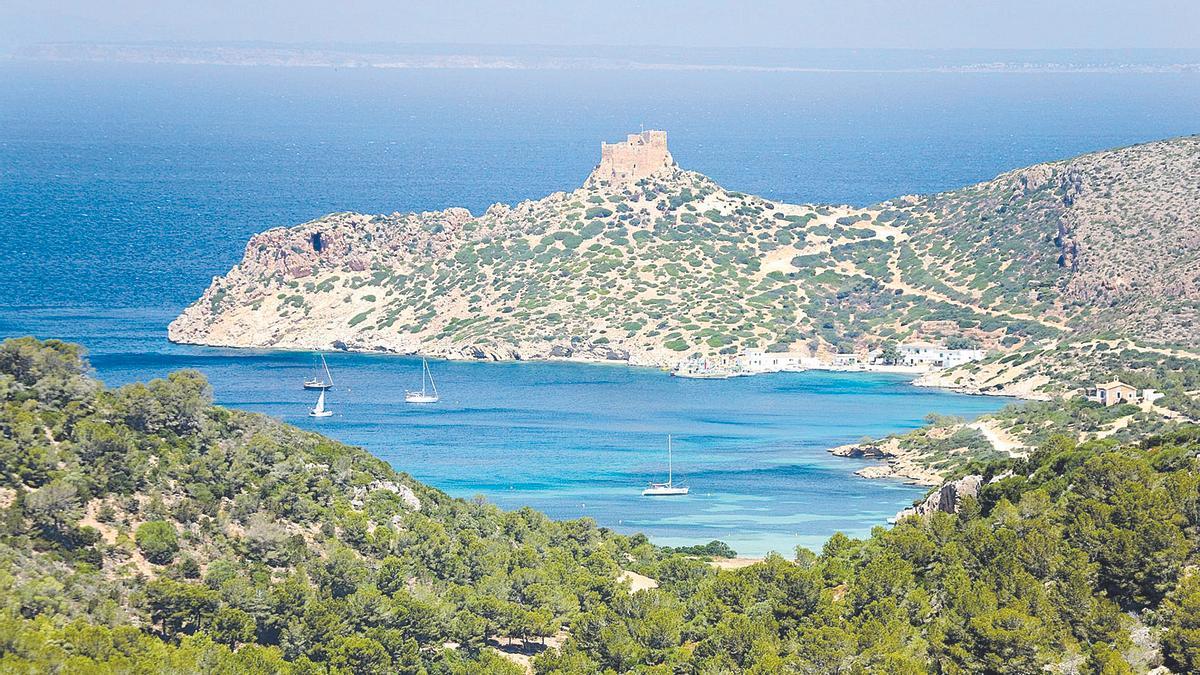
x: 1000, y: 439
x: 733, y: 563
x: 1116, y: 344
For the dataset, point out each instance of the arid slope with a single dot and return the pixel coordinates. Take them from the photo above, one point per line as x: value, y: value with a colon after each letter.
x: 1105, y: 246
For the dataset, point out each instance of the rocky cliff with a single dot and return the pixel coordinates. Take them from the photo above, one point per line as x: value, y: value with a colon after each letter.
x: 947, y: 498
x: 649, y: 269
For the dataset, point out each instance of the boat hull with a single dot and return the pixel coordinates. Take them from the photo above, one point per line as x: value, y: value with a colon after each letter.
x: 324, y: 413
x: 664, y: 492
x: 317, y: 386
x: 705, y: 376
x: 420, y: 398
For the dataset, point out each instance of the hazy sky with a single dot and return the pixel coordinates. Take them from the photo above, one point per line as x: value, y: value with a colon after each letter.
x: 714, y: 23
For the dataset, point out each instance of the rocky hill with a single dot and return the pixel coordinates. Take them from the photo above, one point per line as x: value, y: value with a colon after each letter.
x: 651, y: 264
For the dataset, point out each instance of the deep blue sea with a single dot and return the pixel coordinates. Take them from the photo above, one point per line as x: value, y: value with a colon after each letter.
x: 124, y: 189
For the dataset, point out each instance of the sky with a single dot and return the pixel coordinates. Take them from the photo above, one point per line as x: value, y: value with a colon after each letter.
x: 902, y: 24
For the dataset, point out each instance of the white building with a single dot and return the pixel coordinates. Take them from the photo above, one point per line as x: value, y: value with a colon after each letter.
x: 1117, y: 392
x: 758, y: 361
x: 936, y: 356
x: 845, y: 360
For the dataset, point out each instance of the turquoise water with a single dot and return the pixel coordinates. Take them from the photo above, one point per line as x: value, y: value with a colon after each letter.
x: 575, y: 439
x: 124, y: 189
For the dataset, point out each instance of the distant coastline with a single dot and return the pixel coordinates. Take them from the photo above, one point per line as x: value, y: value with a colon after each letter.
x: 507, y: 57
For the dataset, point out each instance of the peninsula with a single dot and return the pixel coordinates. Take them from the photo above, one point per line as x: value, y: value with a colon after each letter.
x: 1053, y: 270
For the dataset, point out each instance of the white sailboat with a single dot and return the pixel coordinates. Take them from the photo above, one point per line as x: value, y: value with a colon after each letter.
x: 319, y: 410
x: 319, y: 383
x: 667, y: 489
x: 429, y: 395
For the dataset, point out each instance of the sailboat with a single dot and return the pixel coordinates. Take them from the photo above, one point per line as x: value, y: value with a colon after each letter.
x: 667, y: 489
x: 319, y: 410
x: 425, y: 395
x: 320, y: 383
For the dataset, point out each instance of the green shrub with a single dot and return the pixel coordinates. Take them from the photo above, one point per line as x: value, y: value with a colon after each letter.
x: 157, y: 541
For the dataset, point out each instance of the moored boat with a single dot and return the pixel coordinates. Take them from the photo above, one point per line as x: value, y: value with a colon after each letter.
x: 318, y: 382
x: 429, y: 395
x: 669, y: 488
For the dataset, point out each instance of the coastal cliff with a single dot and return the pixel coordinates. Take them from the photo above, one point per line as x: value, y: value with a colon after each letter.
x: 649, y: 264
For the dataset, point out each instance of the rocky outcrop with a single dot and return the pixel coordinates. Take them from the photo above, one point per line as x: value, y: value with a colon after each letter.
x: 405, y: 493
x: 945, y: 499
x: 898, y: 461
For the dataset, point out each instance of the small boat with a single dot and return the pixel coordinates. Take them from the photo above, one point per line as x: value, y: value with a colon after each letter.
x: 697, y: 369
x: 667, y: 489
x: 318, y: 382
x: 319, y: 410
x: 429, y: 395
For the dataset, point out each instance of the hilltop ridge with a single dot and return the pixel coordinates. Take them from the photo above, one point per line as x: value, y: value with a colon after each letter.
x: 648, y: 263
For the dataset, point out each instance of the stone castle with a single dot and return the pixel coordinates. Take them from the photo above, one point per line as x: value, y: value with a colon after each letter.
x: 638, y: 156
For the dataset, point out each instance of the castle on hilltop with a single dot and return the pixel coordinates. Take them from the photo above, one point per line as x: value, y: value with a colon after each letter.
x: 638, y: 156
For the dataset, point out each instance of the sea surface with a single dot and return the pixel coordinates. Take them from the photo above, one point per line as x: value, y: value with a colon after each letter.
x: 125, y: 188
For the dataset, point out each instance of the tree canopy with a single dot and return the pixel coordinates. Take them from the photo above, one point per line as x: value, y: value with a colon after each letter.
x: 144, y: 529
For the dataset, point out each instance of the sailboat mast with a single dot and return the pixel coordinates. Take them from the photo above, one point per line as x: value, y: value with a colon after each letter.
x: 670, y: 472
x: 328, y: 375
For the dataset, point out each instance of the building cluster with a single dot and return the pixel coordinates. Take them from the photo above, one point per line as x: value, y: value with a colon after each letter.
x: 759, y: 361
x: 912, y: 355
x: 936, y: 356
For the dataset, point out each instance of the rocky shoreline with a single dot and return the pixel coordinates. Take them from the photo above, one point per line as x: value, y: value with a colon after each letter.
x: 577, y: 353
x: 585, y: 353
x: 896, y: 462
x: 991, y: 379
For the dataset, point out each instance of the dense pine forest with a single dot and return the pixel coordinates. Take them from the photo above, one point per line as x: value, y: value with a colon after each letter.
x: 143, y: 529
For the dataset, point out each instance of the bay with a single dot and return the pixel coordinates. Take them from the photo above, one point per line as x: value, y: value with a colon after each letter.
x: 574, y: 440
x: 124, y: 189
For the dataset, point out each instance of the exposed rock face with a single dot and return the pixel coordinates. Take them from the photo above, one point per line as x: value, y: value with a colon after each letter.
x: 405, y: 493
x: 1105, y: 240
x: 1131, y: 244
x: 650, y: 264
x: 946, y: 498
x: 898, y: 462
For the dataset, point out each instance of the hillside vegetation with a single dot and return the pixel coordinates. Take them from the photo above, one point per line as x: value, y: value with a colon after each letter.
x: 1060, y: 256
x: 144, y: 530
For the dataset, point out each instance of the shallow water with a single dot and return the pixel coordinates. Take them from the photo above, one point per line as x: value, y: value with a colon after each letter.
x: 574, y: 439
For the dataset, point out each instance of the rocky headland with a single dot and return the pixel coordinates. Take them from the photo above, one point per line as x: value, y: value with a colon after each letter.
x: 1054, y: 269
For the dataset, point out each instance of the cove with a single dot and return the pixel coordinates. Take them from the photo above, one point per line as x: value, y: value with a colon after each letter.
x: 579, y: 440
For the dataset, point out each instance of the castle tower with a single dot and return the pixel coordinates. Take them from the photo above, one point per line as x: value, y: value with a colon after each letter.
x: 628, y: 161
